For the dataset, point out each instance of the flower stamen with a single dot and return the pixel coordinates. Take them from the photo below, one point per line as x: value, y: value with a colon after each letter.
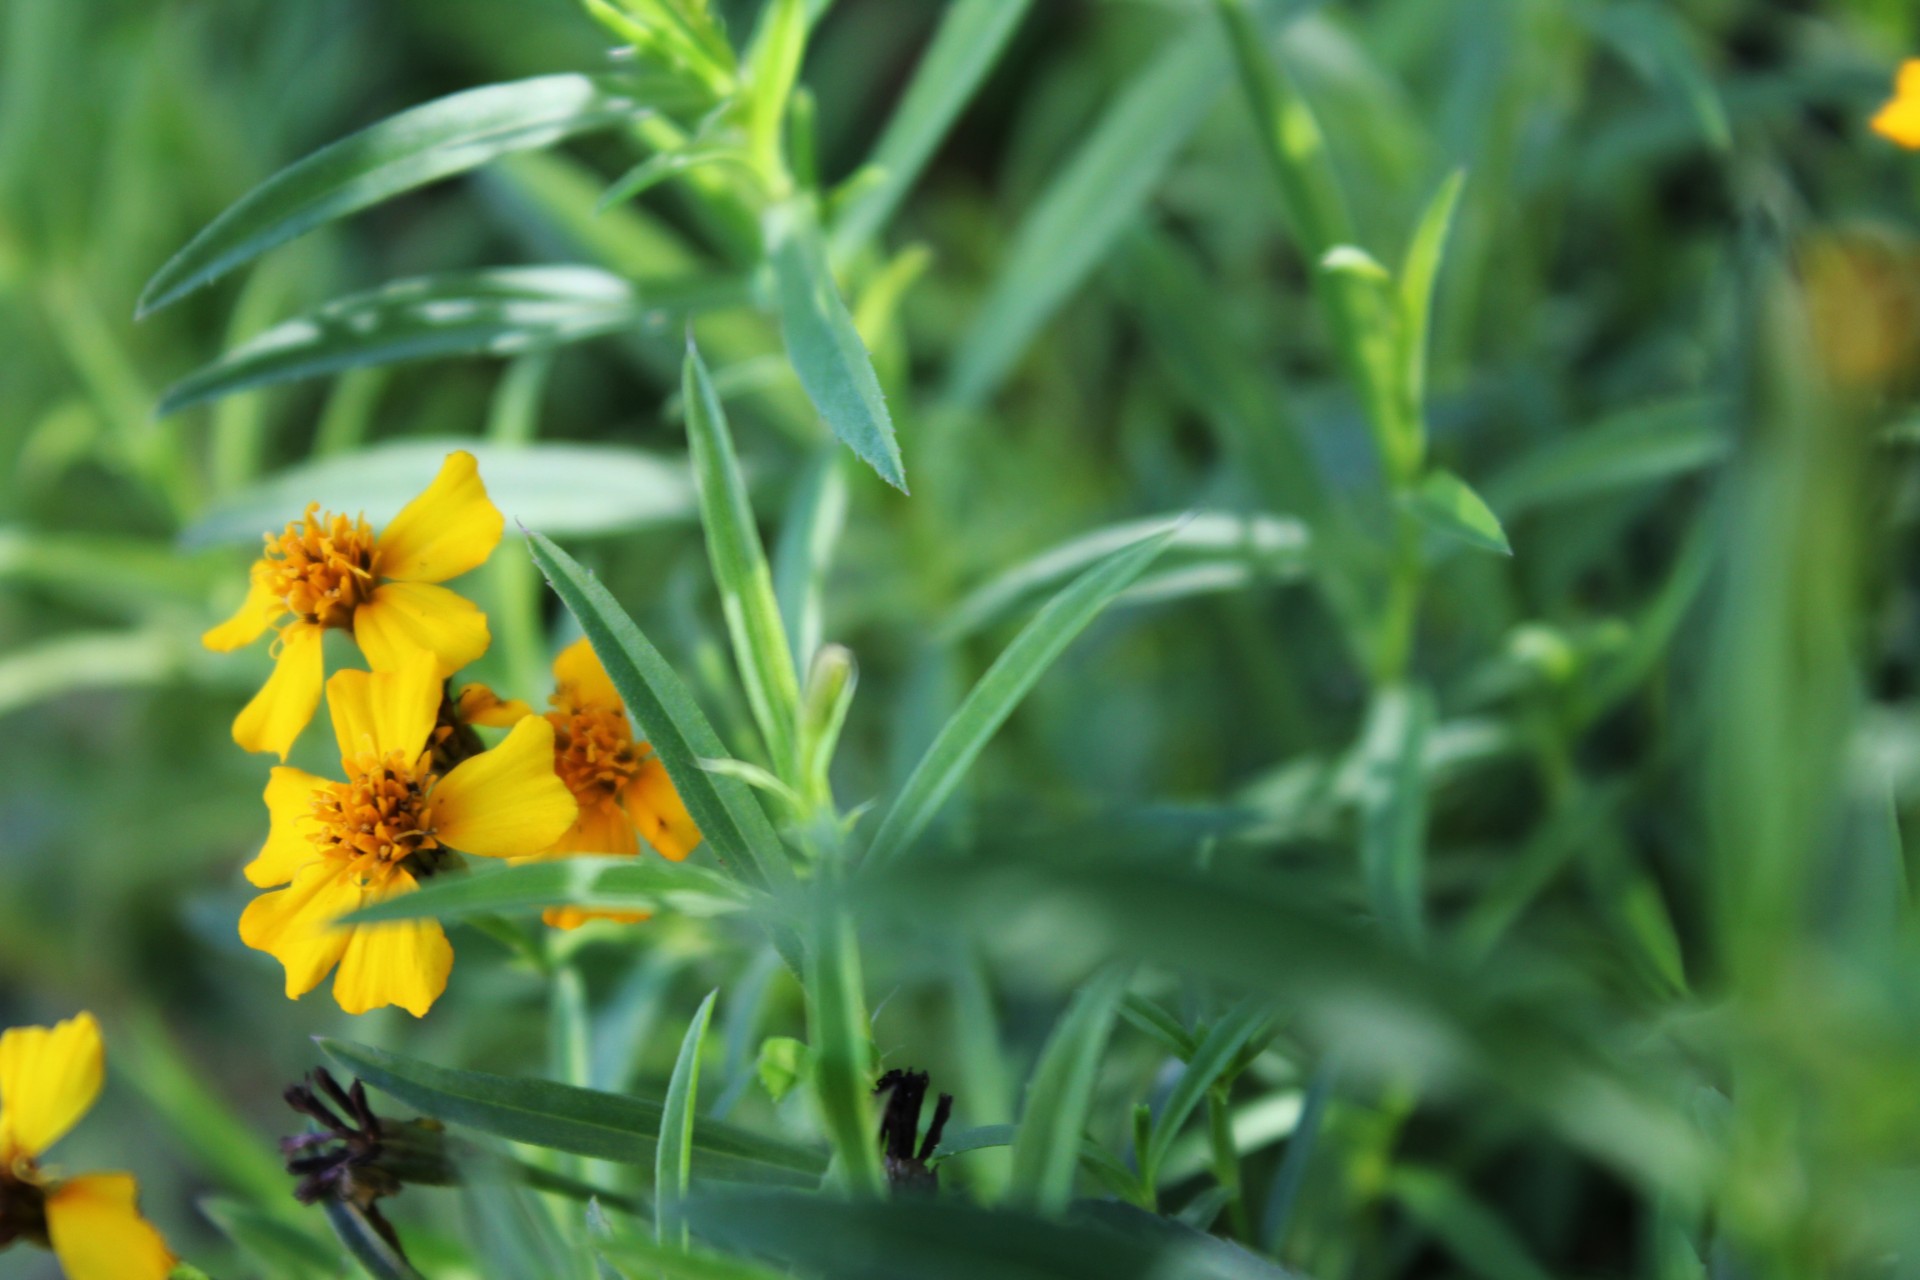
x: 321, y: 566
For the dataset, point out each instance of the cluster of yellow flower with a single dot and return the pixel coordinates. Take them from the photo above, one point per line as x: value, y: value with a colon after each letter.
x: 419, y: 784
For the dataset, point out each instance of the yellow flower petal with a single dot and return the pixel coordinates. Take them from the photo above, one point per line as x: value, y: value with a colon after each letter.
x: 602, y: 827
x: 570, y: 918
x: 405, y: 616
x: 295, y: 924
x: 285, y: 703
x: 98, y: 1233
x: 656, y: 809
x: 251, y: 620
x: 288, y: 848
x: 480, y: 705
x: 1899, y: 120
x: 578, y: 675
x: 404, y: 963
x: 49, y: 1076
x: 385, y: 711
x: 450, y: 528
x: 507, y: 801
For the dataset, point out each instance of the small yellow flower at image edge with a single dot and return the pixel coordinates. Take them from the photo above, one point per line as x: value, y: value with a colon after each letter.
x: 339, y: 846
x: 623, y: 791
x: 49, y: 1078
x: 325, y: 571
x: 1899, y: 120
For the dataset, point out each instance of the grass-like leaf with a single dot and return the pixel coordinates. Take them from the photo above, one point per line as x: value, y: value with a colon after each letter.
x: 841, y: 1040
x: 663, y: 708
x: 567, y: 489
x: 499, y: 312
x: 637, y: 1259
x: 1448, y: 505
x: 673, y: 1163
x: 972, y: 35
x: 284, y: 1249
x: 1046, y: 1149
x: 606, y: 884
x: 823, y: 344
x: 1000, y: 690
x: 1393, y: 809
x: 420, y: 145
x: 1419, y: 273
x: 606, y: 1126
x: 1209, y: 1062
x: 368, y: 1247
x: 740, y: 566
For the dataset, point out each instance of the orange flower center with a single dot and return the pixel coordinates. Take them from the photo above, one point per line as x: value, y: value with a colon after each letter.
x: 593, y: 750
x: 322, y: 566
x: 381, y: 819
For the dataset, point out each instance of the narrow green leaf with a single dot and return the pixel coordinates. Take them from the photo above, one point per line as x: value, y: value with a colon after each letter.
x: 606, y: 1126
x: 740, y: 568
x: 816, y: 512
x: 1157, y: 1022
x: 423, y: 144
x: 1642, y: 445
x: 842, y: 1041
x: 638, y: 1259
x: 572, y: 490
x: 1479, y: 1240
x: 1270, y: 546
x: 773, y: 64
x: 1046, y: 1150
x: 1099, y: 191
x: 823, y: 344
x: 609, y: 884
x: 673, y: 1163
x: 376, y: 1256
x: 654, y: 170
x: 1393, y: 809
x: 1418, y: 275
x: 971, y: 38
x: 1291, y: 1178
x: 1448, y: 505
x: 501, y: 312
x: 1210, y: 1060
x: 1000, y: 690
x: 663, y: 709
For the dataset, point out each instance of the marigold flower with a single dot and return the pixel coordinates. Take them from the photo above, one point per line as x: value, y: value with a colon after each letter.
x: 325, y: 571
x: 1899, y: 120
x: 623, y: 791
x: 339, y: 846
x: 49, y: 1077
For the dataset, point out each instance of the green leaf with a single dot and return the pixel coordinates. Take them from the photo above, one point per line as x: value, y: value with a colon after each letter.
x: 1418, y: 275
x: 501, y: 312
x: 421, y: 145
x: 1289, y: 1180
x: 1000, y: 690
x: 1210, y: 1061
x: 1478, y: 1240
x: 1393, y: 809
x: 725, y: 809
x: 823, y: 344
x: 1448, y: 505
x: 1267, y: 547
x: 673, y: 1162
x: 809, y: 530
x: 841, y: 1040
x: 606, y: 1126
x: 740, y: 568
x: 971, y: 38
x: 1099, y: 191
x: 285, y: 1250
x: 773, y: 64
x: 611, y: 883
x: 638, y: 1259
x: 1643, y: 445
x: 369, y: 1248
x: 782, y: 1063
x: 1150, y: 1018
x: 567, y: 489
x: 1046, y: 1150
x: 654, y: 170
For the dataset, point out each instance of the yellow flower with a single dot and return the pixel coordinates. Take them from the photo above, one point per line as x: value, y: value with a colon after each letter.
x: 339, y: 846
x: 327, y: 571
x: 623, y: 790
x: 1899, y: 120
x: 49, y: 1077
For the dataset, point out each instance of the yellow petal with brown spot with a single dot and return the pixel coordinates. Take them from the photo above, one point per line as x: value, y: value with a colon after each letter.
x: 506, y: 802
x: 273, y: 720
x: 97, y: 1232
x: 449, y: 529
x: 403, y: 617
x: 656, y: 809
x: 49, y: 1076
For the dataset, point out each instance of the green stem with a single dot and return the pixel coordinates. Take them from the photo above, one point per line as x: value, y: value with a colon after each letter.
x: 1226, y: 1162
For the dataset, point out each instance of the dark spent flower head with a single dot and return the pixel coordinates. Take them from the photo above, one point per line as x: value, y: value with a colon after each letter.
x: 341, y: 1159
x: 905, y: 1163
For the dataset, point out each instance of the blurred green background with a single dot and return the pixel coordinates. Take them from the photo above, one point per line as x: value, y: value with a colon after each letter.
x: 1677, y: 733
